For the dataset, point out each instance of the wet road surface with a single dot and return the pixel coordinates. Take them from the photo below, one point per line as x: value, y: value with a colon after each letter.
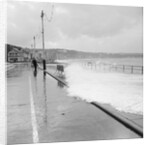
x: 39, y: 111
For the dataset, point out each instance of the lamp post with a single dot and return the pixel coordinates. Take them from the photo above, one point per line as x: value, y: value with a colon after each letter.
x: 43, y: 44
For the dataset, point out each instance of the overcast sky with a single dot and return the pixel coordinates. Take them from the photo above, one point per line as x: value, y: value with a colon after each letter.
x: 92, y: 28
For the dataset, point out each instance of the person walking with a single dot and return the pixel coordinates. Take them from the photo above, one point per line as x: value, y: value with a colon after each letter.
x: 34, y: 63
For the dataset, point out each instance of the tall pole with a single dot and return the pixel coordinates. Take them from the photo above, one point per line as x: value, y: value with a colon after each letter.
x: 42, y: 18
x: 34, y: 45
x: 31, y: 51
x: 34, y: 42
x: 43, y: 44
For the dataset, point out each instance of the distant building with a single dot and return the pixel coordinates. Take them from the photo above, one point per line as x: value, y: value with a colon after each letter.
x: 17, y: 54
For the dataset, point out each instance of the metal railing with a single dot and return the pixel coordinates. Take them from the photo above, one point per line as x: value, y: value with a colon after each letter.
x: 133, y: 69
x: 9, y: 66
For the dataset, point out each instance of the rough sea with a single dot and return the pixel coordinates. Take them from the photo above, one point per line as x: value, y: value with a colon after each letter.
x: 123, y: 91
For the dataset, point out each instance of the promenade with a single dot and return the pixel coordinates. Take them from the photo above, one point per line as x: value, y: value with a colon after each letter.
x: 39, y: 110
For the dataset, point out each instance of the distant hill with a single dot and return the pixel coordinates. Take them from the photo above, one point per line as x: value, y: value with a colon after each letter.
x: 10, y: 47
x: 58, y: 53
x: 73, y: 54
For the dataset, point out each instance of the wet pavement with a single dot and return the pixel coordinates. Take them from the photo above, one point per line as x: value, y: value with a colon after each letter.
x: 39, y: 110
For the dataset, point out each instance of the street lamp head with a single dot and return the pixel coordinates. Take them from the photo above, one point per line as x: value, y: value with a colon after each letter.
x: 42, y: 14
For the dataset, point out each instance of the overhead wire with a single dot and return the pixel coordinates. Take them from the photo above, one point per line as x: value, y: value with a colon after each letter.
x: 51, y: 16
x: 38, y: 35
x: 48, y: 19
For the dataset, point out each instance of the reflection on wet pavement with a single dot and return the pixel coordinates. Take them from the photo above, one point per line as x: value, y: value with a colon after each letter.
x: 59, y: 117
x: 19, y: 129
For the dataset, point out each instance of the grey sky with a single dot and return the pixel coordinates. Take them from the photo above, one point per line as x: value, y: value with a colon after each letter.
x: 92, y: 28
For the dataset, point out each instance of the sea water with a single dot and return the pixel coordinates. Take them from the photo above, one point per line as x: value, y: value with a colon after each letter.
x: 120, y: 90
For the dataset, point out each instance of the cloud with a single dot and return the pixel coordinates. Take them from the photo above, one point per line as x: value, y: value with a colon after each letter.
x: 97, y: 21
x: 80, y: 27
x: 60, y: 10
x: 129, y: 40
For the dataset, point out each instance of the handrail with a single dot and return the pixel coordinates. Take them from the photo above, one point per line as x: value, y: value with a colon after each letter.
x: 58, y: 79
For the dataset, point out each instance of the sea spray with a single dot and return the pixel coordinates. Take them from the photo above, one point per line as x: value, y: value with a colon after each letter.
x: 122, y: 91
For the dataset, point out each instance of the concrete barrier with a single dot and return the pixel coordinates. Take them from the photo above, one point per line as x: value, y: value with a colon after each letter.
x: 126, y: 122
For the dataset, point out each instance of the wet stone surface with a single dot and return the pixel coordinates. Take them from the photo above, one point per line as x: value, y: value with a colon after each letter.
x: 59, y: 117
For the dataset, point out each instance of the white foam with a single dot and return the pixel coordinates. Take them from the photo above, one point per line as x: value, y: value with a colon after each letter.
x: 122, y: 91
